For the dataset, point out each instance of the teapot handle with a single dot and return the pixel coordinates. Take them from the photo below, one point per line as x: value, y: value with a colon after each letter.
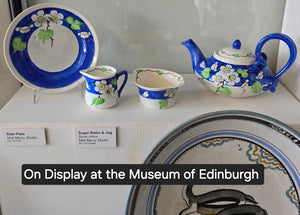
x: 293, y: 55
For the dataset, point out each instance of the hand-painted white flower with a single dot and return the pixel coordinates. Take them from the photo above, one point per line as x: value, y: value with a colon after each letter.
x: 260, y: 75
x: 218, y: 77
x: 202, y: 64
x: 24, y: 29
x: 146, y: 94
x: 55, y: 18
x: 170, y: 93
x: 40, y: 18
x: 233, y: 78
x: 84, y: 34
x: 100, y: 86
x: 226, y: 69
x: 109, y: 90
x: 214, y: 66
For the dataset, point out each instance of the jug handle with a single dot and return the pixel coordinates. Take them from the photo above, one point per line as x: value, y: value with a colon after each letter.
x: 293, y: 54
x: 125, y: 73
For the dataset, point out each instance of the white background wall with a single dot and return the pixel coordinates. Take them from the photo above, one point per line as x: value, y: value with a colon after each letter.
x: 8, y: 84
x: 291, y: 26
x: 148, y: 33
x: 5, y: 19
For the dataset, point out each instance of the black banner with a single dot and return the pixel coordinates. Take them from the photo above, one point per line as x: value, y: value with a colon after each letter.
x: 141, y: 174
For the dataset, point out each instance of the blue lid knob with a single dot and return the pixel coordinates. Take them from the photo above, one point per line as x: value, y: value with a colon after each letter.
x: 236, y: 44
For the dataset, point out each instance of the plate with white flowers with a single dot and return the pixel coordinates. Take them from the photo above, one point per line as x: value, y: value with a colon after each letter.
x: 47, y: 45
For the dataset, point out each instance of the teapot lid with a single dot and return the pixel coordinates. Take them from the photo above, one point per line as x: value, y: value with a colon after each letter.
x: 235, y: 55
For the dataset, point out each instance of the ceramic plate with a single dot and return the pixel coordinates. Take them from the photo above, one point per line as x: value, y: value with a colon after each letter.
x: 234, y: 137
x: 46, y: 45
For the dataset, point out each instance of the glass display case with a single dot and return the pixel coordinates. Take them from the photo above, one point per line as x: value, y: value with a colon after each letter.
x: 131, y: 34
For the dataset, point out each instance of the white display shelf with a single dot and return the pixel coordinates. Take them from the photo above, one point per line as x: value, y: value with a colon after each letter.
x: 192, y: 99
x: 138, y: 130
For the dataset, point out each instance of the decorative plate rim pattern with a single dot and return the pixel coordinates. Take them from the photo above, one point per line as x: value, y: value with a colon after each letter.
x: 272, y: 123
x: 8, y: 38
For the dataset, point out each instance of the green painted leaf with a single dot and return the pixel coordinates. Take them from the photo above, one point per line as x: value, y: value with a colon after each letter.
x: 48, y: 34
x: 240, y: 71
x: 94, y: 100
x: 41, y: 34
x: 22, y: 47
x: 16, y: 43
x: 114, y: 82
x: 103, y: 69
x: 236, y: 55
x: 70, y: 20
x: 75, y: 27
x: 245, y: 75
x: 163, y: 103
x: 205, y: 73
x: 76, y: 22
x: 159, y: 72
x: 102, y: 100
x: 99, y: 101
x: 243, y: 72
x: 224, y: 90
x: 140, y: 71
x: 256, y: 87
x: 45, y: 34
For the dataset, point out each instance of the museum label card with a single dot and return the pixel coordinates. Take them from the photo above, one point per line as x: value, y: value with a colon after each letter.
x: 24, y: 136
x: 98, y: 137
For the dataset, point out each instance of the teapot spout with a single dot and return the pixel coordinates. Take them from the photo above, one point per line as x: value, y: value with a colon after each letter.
x: 196, y: 54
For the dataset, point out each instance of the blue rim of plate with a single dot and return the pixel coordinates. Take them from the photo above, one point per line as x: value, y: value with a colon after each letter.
x: 270, y: 122
x: 20, y: 63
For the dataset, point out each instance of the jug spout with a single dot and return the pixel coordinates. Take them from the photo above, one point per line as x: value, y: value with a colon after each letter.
x: 82, y: 73
x: 85, y: 72
x: 196, y: 54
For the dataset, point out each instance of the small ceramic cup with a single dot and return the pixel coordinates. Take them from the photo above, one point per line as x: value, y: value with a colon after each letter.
x: 102, y: 86
x: 157, y: 87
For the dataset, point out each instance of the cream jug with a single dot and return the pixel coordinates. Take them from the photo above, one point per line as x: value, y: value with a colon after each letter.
x: 102, y: 86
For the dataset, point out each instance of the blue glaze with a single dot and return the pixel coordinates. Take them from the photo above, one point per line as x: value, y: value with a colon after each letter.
x: 293, y: 54
x: 236, y: 44
x: 125, y: 73
x: 196, y: 54
x: 45, y: 79
x: 153, y: 94
x: 91, y: 83
x: 230, y: 75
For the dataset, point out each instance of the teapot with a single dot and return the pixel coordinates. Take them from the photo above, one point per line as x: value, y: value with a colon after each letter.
x: 235, y: 72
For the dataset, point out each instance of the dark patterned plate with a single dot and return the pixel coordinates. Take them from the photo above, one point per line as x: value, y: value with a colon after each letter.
x: 231, y: 137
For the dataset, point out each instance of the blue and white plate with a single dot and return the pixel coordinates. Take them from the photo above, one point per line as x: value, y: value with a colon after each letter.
x: 229, y: 137
x: 47, y: 45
